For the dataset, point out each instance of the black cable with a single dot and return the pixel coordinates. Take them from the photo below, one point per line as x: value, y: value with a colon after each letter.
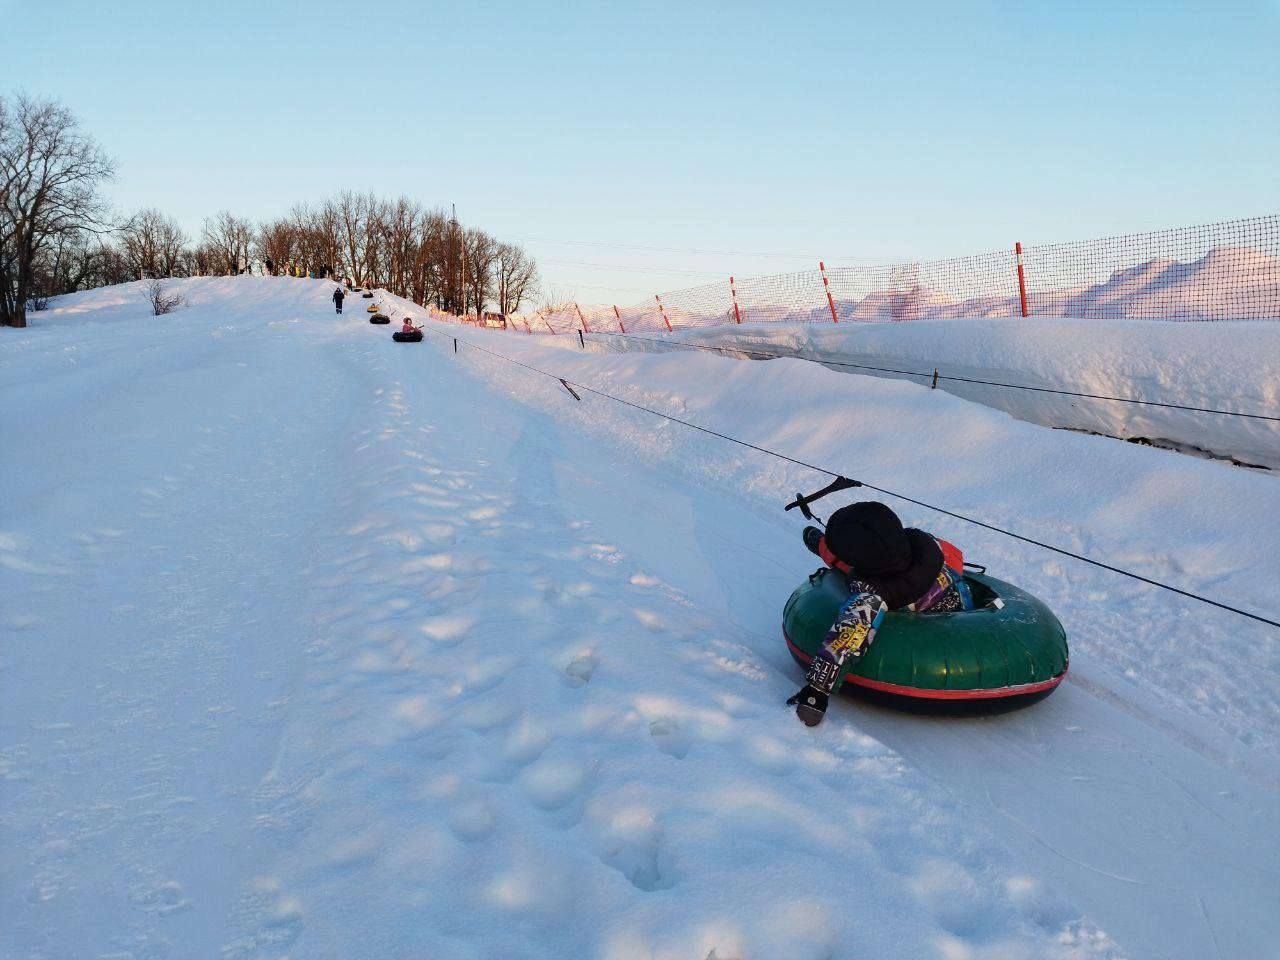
x: 869, y: 486
x: 766, y: 355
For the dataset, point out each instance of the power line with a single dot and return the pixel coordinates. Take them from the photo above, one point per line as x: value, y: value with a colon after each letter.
x: 634, y: 269
x: 596, y: 286
x: 690, y: 250
x: 569, y: 384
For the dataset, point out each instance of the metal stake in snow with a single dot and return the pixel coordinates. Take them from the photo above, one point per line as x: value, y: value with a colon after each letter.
x: 663, y: 310
x: 617, y: 314
x: 1022, y: 277
x: 822, y: 267
x: 737, y: 317
x: 581, y: 319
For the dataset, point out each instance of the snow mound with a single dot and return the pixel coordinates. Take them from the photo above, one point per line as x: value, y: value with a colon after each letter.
x: 1228, y: 366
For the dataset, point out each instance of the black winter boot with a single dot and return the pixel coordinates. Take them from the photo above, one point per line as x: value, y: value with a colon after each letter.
x: 812, y: 536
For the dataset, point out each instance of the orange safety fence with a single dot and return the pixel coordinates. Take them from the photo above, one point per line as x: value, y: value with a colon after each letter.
x: 1220, y: 271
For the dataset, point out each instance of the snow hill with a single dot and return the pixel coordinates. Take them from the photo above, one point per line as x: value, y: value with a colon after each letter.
x: 318, y: 645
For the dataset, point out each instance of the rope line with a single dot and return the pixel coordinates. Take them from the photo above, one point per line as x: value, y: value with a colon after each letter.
x: 890, y: 493
x: 766, y: 355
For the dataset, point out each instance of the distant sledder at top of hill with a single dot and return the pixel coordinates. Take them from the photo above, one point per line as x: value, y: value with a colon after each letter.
x: 886, y: 567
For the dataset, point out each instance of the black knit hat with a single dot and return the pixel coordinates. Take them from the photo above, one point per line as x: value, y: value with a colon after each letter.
x: 868, y: 536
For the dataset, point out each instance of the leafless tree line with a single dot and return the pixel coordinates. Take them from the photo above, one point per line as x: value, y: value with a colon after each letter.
x: 414, y: 251
x: 57, y: 236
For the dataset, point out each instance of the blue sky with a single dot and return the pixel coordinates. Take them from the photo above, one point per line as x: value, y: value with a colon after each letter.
x: 872, y: 130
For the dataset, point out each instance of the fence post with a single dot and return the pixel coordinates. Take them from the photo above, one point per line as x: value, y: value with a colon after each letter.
x: 1022, y: 278
x: 526, y: 327
x: 827, y: 287
x: 663, y: 311
x: 619, y: 316
x: 737, y: 317
x: 581, y: 319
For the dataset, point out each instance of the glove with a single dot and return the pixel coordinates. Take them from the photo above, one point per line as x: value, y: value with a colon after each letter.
x: 811, y: 701
x: 810, y: 704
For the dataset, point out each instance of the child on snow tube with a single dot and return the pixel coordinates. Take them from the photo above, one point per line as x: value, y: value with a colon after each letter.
x: 409, y: 327
x: 885, y: 567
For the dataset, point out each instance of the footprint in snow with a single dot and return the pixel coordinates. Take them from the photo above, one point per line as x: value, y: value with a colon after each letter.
x: 636, y: 851
x: 950, y: 893
x: 669, y: 736
x: 580, y: 670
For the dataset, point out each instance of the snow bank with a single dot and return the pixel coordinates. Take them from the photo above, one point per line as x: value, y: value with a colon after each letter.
x: 1231, y: 366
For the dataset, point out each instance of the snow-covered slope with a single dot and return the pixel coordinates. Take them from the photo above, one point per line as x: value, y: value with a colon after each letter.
x: 317, y: 645
x: 1227, y: 366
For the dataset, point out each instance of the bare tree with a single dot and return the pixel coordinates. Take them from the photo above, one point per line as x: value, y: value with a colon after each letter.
x: 231, y: 237
x: 479, y: 254
x: 401, y: 220
x: 75, y: 260
x: 554, y: 298
x: 203, y: 260
x: 153, y: 243
x: 515, y: 277
x: 308, y: 240
x: 351, y: 211
x: 428, y: 272
x: 161, y: 301
x: 276, y: 244
x: 374, y: 246
x: 49, y: 177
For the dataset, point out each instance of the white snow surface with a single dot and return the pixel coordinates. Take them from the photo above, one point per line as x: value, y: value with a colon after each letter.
x: 1231, y: 366
x: 318, y: 645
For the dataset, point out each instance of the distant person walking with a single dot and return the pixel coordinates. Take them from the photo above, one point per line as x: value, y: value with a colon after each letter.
x: 338, y: 294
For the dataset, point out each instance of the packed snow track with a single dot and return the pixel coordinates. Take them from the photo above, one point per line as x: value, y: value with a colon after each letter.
x: 321, y: 645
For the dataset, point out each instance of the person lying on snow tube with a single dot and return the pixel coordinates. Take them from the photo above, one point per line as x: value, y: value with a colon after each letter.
x: 885, y: 568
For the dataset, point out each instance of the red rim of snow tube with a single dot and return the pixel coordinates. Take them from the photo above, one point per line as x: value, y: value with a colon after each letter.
x: 919, y: 693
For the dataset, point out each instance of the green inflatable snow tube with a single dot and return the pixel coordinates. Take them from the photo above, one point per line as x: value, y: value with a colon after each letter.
x: 1009, y: 645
